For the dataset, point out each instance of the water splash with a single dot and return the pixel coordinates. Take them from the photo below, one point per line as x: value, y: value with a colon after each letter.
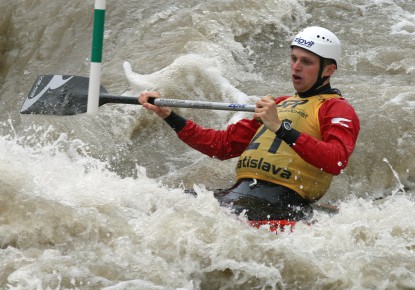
x: 401, y: 187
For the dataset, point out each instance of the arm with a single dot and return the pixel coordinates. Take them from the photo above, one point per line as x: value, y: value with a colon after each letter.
x: 221, y: 144
x: 339, y: 127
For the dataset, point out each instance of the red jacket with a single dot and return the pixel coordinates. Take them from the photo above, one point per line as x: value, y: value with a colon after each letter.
x: 338, y: 141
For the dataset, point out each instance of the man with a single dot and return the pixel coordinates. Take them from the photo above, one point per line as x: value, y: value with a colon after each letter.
x: 290, y: 150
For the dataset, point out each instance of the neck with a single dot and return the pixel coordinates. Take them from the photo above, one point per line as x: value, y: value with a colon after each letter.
x: 316, y: 91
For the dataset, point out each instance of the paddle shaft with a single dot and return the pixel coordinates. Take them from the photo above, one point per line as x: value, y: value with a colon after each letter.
x: 179, y: 103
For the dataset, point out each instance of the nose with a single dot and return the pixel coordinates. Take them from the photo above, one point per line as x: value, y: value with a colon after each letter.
x: 295, y: 65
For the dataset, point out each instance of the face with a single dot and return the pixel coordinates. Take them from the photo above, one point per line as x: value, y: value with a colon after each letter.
x: 305, y: 66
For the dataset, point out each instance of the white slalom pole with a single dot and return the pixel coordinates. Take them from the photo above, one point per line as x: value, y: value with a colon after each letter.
x: 96, y: 57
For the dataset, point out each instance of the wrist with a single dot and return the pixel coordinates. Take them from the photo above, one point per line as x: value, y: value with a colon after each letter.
x: 175, y: 121
x: 276, y: 128
x: 288, y: 134
x: 284, y: 129
x: 164, y: 113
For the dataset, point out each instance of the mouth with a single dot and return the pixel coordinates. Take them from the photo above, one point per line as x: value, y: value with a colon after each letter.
x: 296, y: 78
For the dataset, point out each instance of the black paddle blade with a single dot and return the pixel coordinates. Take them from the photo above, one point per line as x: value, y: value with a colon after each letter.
x: 58, y: 95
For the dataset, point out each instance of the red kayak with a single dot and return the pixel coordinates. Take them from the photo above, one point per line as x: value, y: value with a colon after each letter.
x: 274, y: 225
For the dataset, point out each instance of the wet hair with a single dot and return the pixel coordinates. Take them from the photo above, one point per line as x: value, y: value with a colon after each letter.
x: 328, y: 61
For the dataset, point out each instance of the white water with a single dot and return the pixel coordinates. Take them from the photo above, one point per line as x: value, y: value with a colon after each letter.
x: 97, y: 202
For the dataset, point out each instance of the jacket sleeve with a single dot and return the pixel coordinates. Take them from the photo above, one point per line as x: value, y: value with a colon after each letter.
x: 339, y: 126
x: 221, y: 144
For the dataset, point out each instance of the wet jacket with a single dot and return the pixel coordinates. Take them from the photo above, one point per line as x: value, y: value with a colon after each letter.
x: 322, y: 140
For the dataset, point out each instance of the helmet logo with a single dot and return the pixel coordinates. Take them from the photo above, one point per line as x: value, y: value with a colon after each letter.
x: 304, y: 42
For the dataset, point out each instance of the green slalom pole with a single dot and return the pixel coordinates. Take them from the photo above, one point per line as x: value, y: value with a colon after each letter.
x: 96, y: 57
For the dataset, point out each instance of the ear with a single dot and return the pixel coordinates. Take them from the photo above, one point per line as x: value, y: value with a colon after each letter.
x: 329, y: 70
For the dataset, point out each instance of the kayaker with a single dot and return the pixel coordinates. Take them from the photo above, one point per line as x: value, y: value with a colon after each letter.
x: 292, y: 147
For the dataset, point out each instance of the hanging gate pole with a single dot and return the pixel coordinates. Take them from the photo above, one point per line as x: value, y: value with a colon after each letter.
x: 96, y: 57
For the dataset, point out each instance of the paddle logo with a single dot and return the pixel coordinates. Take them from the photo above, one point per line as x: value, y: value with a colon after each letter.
x: 56, y: 82
x: 236, y: 106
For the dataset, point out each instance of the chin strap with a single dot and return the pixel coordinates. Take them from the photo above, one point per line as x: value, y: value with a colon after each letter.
x: 316, y: 88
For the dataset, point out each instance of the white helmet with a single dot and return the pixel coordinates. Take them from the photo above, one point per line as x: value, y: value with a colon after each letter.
x: 319, y: 41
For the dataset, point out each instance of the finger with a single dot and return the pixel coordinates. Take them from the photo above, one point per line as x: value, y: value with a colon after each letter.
x: 258, y: 118
x: 148, y: 106
x: 260, y: 103
x: 144, y: 96
x: 265, y: 101
x: 269, y: 98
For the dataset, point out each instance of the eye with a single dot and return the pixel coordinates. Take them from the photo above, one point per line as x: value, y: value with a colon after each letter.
x: 307, y: 61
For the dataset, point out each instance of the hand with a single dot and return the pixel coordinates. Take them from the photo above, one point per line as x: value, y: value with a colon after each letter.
x: 266, y: 111
x: 162, y: 112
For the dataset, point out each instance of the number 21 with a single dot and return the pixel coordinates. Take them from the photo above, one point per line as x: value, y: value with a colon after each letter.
x: 272, y: 149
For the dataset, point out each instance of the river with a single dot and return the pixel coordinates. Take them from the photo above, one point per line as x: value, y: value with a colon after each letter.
x: 97, y: 201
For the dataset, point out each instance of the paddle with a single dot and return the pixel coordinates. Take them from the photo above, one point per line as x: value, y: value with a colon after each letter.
x: 68, y: 95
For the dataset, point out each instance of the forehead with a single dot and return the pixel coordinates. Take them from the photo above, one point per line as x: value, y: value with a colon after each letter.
x: 302, y: 53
